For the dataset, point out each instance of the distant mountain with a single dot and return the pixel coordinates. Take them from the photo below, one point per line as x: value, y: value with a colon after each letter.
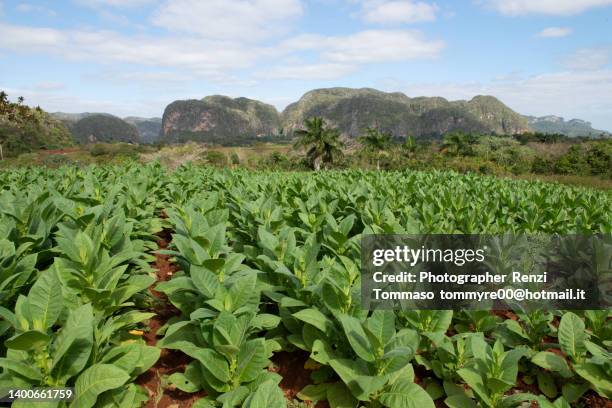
x: 219, y: 119
x: 72, y: 118
x: 224, y: 120
x: 352, y: 110
x: 104, y: 128
x: 148, y: 128
x: 25, y: 129
x: 556, y: 124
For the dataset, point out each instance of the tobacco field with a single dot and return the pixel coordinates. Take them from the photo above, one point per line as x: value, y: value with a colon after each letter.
x: 199, y: 287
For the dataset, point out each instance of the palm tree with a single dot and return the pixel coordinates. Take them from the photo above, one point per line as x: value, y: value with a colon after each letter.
x: 322, y: 143
x: 453, y: 143
x: 458, y: 143
x: 410, y: 145
x: 376, y: 141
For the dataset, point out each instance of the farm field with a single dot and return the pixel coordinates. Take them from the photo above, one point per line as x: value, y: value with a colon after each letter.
x: 201, y: 287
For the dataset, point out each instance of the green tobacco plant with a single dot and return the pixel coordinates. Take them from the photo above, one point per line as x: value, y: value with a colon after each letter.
x: 229, y: 362
x: 39, y: 355
x: 220, y: 299
x: 590, y: 361
x: 531, y: 328
x: 91, y: 273
x: 375, y: 367
x: 490, y: 374
x: 270, y: 261
x: 17, y: 268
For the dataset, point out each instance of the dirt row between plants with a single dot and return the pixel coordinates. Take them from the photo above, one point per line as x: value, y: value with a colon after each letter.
x: 161, y: 395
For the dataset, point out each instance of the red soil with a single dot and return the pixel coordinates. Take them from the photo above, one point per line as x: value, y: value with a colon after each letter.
x: 61, y: 151
x: 505, y: 314
x: 592, y: 400
x: 290, y: 366
x: 170, y: 361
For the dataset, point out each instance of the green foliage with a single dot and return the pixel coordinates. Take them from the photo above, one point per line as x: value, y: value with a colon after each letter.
x: 305, y: 257
x: 76, y: 251
x: 25, y: 129
x: 322, y: 143
x: 108, y: 151
x: 103, y: 128
x: 215, y: 158
x: 589, y: 159
x: 458, y: 143
x: 269, y: 262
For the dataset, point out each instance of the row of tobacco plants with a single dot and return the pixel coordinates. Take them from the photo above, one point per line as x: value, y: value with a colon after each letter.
x: 270, y: 262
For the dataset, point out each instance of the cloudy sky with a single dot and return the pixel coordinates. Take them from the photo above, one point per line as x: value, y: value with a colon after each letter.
x: 133, y: 57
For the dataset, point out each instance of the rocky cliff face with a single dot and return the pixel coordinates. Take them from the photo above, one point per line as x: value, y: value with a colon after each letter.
x: 219, y: 119
x: 352, y: 110
x: 556, y: 124
x: 224, y: 120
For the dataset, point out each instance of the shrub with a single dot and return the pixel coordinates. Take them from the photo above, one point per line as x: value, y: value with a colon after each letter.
x: 98, y: 150
x: 215, y: 158
x: 542, y: 166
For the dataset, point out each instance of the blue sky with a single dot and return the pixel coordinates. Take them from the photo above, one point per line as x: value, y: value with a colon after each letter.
x: 133, y: 57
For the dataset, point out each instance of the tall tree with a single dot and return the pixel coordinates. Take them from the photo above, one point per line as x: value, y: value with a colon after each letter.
x: 376, y: 141
x: 458, y: 143
x: 322, y: 143
x: 410, y: 145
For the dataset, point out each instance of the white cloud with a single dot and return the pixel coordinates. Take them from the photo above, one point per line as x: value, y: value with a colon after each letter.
x: 550, y: 7
x: 369, y: 46
x: 555, y: 32
x: 571, y: 94
x: 380, y: 46
x: 199, y: 56
x: 586, y: 59
x: 219, y: 61
x: 245, y: 20
x: 339, y: 56
x: 398, y: 11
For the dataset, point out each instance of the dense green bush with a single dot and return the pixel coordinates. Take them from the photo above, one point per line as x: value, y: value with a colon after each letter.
x: 124, y: 150
x: 215, y: 158
x: 542, y: 165
x: 593, y: 158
